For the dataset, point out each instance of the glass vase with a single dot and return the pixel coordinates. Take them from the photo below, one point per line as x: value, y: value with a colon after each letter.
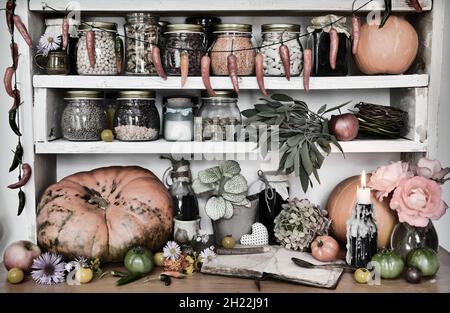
x: 405, y: 238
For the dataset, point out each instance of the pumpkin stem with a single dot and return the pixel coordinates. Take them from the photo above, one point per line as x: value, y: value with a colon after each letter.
x: 319, y: 243
x: 100, y: 202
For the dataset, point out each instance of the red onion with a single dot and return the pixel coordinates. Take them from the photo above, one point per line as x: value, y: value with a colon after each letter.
x: 20, y: 254
x: 344, y: 127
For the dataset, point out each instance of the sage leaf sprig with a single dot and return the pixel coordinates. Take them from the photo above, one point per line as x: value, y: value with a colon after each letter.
x: 304, y: 137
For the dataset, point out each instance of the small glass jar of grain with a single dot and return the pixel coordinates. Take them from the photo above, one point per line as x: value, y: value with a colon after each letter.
x: 236, y: 38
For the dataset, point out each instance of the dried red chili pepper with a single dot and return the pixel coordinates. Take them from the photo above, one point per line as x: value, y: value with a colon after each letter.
x: 156, y: 59
x: 26, y: 174
x: 10, y: 7
x: 90, y: 46
x: 334, y: 47
x: 205, y: 64
x: 232, y: 71
x: 416, y: 5
x: 259, y: 69
x: 7, y: 81
x: 184, y: 67
x: 22, y: 30
x: 65, y: 33
x: 356, y: 31
x: 286, y: 60
x: 307, y: 68
x: 15, y: 54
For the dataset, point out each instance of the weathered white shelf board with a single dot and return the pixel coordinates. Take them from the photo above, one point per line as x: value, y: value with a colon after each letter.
x: 249, y: 83
x: 61, y: 146
x: 199, y: 6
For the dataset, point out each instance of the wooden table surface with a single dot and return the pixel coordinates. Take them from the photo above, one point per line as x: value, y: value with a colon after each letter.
x: 201, y: 283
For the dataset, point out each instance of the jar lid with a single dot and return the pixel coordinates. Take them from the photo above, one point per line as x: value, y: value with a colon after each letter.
x: 141, y: 16
x: 59, y: 22
x: 203, y: 20
x: 242, y: 28
x: 163, y: 24
x: 182, y: 28
x: 83, y: 94
x: 278, y: 28
x: 136, y: 94
x: 179, y: 102
x: 231, y: 94
x: 106, y: 26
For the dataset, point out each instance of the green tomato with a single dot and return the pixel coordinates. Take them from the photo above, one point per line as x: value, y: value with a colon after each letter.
x: 107, y: 135
x: 424, y: 259
x: 139, y: 260
x: 15, y: 275
x: 362, y: 276
x: 391, y: 265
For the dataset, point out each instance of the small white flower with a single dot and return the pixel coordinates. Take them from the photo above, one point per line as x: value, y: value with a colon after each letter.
x: 48, y: 42
x: 171, y: 251
x: 207, y: 256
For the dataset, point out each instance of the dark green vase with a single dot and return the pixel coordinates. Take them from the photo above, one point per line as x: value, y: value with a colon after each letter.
x: 405, y: 238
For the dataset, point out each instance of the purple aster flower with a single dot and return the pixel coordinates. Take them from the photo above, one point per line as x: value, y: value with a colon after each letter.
x: 48, y: 269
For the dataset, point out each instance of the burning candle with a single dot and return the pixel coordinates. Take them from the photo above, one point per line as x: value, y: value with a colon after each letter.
x: 363, y: 193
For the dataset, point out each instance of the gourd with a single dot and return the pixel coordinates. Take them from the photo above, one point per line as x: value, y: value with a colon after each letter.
x: 340, y: 205
x: 104, y: 212
x: 387, y: 50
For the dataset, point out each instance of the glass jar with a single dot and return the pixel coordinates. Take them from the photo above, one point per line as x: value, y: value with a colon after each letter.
x: 272, y: 35
x: 208, y: 23
x: 108, y: 59
x: 110, y: 107
x: 230, y: 37
x: 84, y: 117
x: 161, y: 29
x: 405, y: 238
x: 136, y: 118
x: 141, y: 32
x: 178, y: 119
x: 220, y: 116
x: 183, y: 36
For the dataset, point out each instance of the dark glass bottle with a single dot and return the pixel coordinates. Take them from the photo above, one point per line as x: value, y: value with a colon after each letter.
x: 207, y: 23
x: 321, y: 56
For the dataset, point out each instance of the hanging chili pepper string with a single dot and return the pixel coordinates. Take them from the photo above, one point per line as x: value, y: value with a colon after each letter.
x: 354, y: 11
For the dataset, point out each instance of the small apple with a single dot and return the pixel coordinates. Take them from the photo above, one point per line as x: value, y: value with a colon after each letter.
x: 228, y: 242
x: 21, y: 254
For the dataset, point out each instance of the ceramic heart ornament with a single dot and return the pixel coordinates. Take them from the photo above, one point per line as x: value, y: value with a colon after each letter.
x: 258, y: 237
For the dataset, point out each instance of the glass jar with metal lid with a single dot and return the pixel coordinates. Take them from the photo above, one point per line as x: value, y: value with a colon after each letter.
x: 141, y: 31
x: 237, y: 38
x: 179, y: 39
x: 272, y: 36
x: 84, y: 117
x: 178, y: 119
x: 220, y: 116
x: 98, y: 50
x: 136, y: 118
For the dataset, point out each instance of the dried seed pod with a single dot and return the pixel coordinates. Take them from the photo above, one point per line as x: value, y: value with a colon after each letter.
x: 22, y: 30
x: 356, y: 29
x: 184, y: 67
x: 286, y: 60
x: 334, y: 47
x: 65, y: 33
x: 7, y: 81
x: 156, y: 59
x: 26, y: 174
x: 232, y: 71
x: 259, y: 69
x: 90, y: 45
x: 205, y: 64
x: 307, y: 68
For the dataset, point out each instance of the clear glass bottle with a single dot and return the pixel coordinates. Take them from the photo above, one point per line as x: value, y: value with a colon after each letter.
x: 84, y: 117
x: 141, y: 30
x: 108, y: 59
x: 178, y: 37
x: 230, y: 37
x: 136, y: 118
x: 220, y: 116
x: 178, y: 119
x: 272, y: 35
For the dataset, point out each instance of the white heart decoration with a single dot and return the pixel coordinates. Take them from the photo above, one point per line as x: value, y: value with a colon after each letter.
x: 258, y: 237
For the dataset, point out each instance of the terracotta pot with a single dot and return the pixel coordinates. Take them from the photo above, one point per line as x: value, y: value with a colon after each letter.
x: 389, y: 50
x: 340, y: 205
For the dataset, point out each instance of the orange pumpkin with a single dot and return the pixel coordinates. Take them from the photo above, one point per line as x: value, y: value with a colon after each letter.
x: 389, y: 50
x: 340, y: 205
x: 102, y: 213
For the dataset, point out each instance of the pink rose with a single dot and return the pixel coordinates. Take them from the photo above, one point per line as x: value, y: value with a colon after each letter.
x: 417, y: 200
x: 387, y: 178
x: 431, y: 169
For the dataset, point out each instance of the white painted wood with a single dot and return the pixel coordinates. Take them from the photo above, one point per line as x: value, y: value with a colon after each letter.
x: 203, y: 6
x: 161, y: 146
x: 249, y: 83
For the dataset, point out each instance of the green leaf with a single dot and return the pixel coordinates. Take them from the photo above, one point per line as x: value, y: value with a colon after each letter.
x: 322, y: 109
x: 304, y: 179
x: 316, y: 175
x: 290, y: 159
x: 249, y: 113
x: 267, y: 114
x: 295, y: 140
x: 229, y: 210
x: 280, y: 119
x: 325, y: 129
x: 210, y: 175
x: 262, y: 107
x: 201, y: 188
x: 236, y: 185
x: 281, y: 97
x: 306, y: 161
x: 336, y: 143
x: 263, y: 143
x: 337, y: 107
x: 229, y: 168
x: 235, y: 198
x: 215, y: 208
x: 324, y: 144
x: 317, y: 154
x: 297, y: 163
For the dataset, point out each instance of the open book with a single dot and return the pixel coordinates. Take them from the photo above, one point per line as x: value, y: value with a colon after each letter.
x: 276, y: 263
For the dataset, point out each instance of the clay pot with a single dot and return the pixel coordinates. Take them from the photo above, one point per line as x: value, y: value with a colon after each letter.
x: 340, y: 205
x: 389, y: 50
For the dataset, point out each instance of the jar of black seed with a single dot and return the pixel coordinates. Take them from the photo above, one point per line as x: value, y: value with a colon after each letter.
x: 84, y: 117
x: 179, y: 39
x: 136, y: 118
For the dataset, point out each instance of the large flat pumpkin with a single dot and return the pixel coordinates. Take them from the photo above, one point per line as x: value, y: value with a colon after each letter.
x: 102, y: 213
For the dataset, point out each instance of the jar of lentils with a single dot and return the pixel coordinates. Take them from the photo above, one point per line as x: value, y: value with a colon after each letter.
x: 84, y: 117
x: 230, y: 37
x: 141, y: 31
x: 106, y: 49
x: 178, y: 37
x: 220, y: 116
x: 272, y: 35
x: 136, y: 118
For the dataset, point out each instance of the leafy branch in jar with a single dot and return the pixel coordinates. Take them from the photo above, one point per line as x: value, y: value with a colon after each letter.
x: 304, y: 136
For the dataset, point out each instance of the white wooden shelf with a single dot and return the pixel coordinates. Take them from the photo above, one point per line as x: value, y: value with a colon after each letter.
x: 272, y: 83
x: 205, y: 6
x: 161, y: 146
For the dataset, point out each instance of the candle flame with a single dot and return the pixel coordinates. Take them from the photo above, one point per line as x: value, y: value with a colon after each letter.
x: 363, y: 180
